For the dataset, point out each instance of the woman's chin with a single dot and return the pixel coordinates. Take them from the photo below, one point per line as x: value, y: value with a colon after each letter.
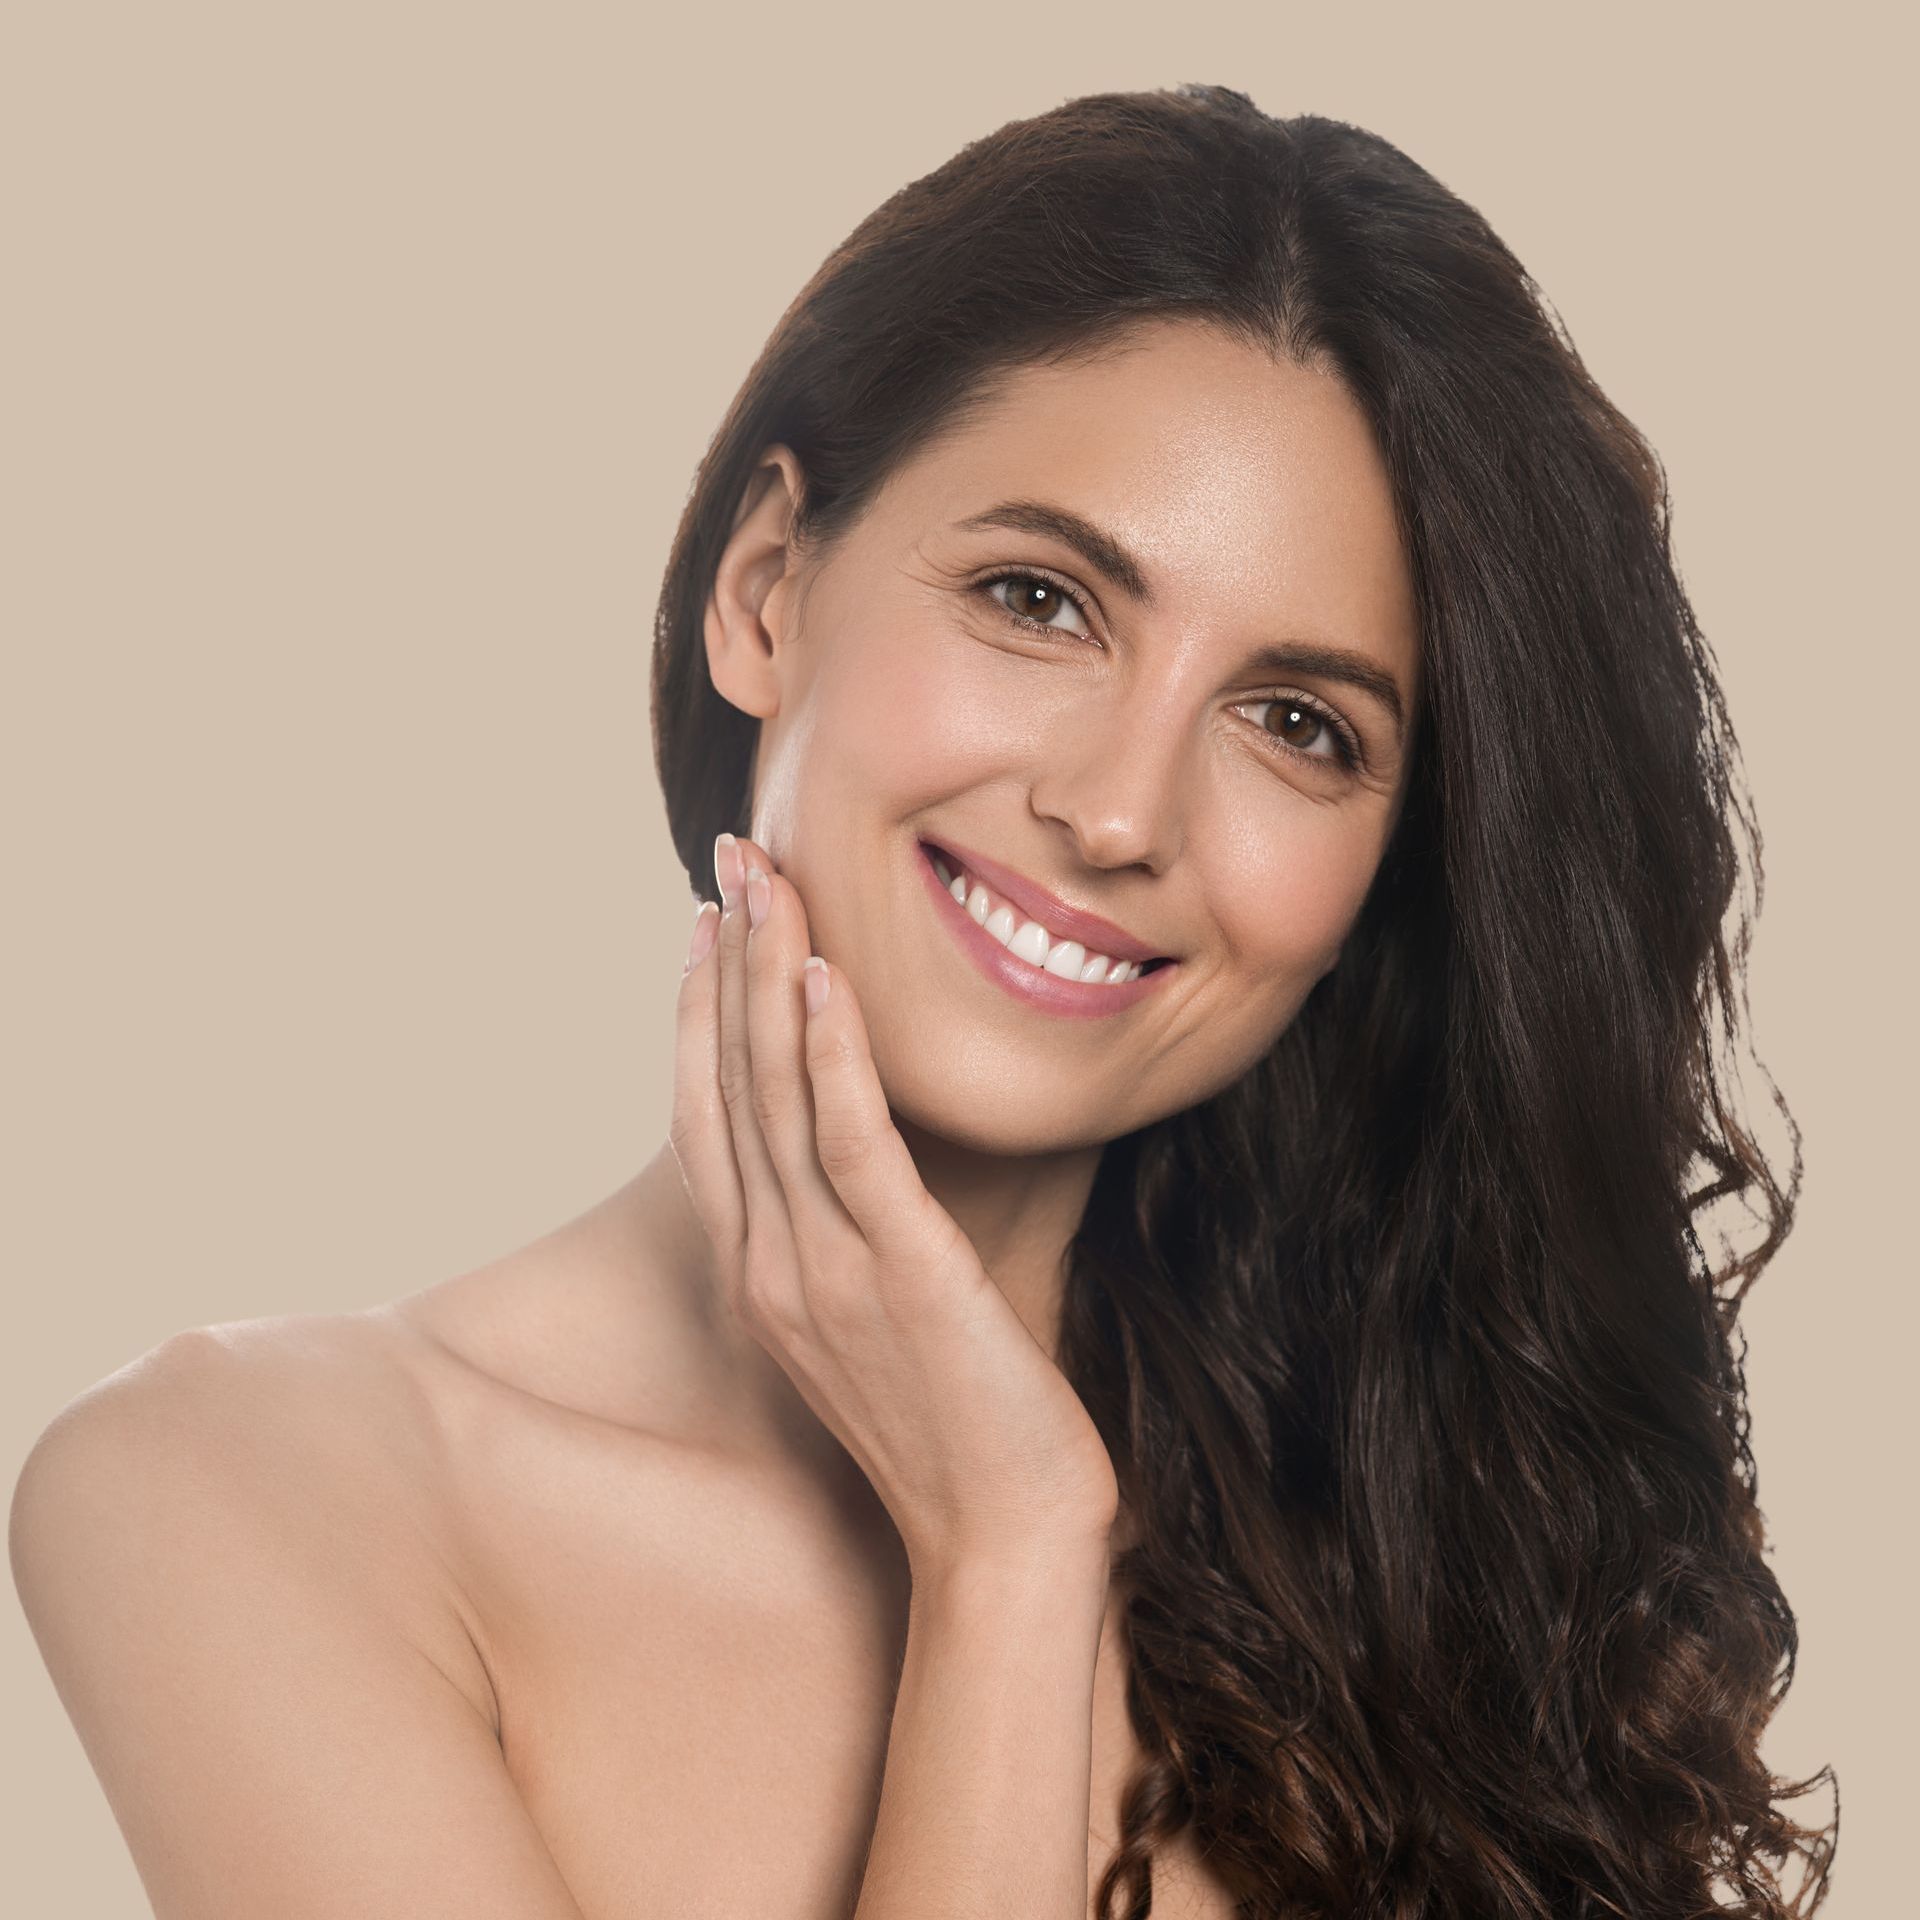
x: 1004, y: 1128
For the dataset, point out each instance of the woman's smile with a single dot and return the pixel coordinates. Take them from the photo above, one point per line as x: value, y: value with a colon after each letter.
x: 1044, y: 966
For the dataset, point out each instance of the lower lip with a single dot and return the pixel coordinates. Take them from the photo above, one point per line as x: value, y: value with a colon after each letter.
x: 1076, y: 999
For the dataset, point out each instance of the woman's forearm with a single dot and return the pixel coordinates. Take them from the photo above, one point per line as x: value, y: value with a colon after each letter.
x: 983, y: 1807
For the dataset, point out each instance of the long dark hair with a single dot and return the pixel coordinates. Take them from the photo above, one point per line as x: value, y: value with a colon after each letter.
x: 1447, y: 1596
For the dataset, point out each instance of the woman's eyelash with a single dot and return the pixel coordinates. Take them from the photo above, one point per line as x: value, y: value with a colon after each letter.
x: 1030, y: 575
x: 1346, y: 741
x: 1348, y: 753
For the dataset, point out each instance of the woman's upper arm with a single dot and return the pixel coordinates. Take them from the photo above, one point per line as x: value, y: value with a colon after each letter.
x: 273, y: 1734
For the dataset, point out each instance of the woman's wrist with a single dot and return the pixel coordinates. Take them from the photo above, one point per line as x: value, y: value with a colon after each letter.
x: 1037, y: 1571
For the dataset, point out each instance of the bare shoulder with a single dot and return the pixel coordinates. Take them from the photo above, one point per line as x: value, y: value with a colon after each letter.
x: 232, y: 1553
x: 247, y: 1379
x: 297, y: 1394
x: 310, y: 1436
x: 372, y: 1416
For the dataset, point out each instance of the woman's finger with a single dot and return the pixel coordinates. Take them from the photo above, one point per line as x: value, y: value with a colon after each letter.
x: 858, y: 1146
x: 769, y: 1239
x: 700, y: 1135
x: 776, y: 1031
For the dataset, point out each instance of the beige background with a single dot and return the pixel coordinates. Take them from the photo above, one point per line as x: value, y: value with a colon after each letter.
x: 358, y: 359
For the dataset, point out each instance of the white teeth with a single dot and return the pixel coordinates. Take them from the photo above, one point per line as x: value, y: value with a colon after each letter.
x: 1066, y: 958
x: 1030, y: 942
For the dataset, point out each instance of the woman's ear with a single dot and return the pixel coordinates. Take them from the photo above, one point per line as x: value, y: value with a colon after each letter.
x: 752, y: 587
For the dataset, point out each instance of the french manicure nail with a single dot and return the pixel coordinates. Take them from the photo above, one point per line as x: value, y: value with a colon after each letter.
x: 706, y: 923
x: 726, y: 867
x: 759, y: 895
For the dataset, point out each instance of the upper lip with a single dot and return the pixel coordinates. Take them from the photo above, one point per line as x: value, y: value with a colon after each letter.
x: 1053, y: 913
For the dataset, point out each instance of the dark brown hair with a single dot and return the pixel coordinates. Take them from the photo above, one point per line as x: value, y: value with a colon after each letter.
x: 1448, y: 1596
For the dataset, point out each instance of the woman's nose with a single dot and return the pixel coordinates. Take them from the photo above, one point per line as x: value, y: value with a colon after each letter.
x: 1116, y: 785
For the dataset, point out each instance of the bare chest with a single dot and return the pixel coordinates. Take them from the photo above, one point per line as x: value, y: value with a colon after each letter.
x: 696, y: 1676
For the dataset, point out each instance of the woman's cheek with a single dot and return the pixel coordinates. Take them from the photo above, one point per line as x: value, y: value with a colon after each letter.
x: 1289, y: 915
x: 920, y: 715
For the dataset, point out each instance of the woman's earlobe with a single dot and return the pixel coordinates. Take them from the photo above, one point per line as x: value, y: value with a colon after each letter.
x: 747, y: 606
x: 740, y: 660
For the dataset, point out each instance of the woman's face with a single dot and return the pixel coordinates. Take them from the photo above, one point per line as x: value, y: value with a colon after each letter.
x: 1132, y: 755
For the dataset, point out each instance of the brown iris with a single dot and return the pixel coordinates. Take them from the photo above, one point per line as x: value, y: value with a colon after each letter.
x: 1294, y: 711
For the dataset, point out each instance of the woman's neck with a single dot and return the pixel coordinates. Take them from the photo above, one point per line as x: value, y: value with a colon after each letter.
x: 1018, y: 1213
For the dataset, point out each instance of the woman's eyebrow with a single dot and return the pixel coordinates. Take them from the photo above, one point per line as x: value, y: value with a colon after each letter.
x: 1094, y: 544
x: 1334, y: 663
x: 1110, y: 556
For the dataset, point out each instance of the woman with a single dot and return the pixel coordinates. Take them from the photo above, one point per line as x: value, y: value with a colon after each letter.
x: 1167, y: 1360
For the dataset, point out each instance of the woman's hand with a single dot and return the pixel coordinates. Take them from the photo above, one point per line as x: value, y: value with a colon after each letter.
x: 842, y: 1264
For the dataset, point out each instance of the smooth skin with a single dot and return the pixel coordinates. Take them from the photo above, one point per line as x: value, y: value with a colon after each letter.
x: 1131, y: 756
x: 863, y: 1287
x: 601, y: 1580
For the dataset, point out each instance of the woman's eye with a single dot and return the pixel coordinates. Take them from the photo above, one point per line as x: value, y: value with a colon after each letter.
x: 1034, y: 600
x: 1295, y: 725
x: 1305, y: 729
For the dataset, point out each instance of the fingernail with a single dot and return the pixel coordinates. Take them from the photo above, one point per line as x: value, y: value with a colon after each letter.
x: 814, y: 974
x: 726, y: 867
x: 706, y: 923
x: 759, y: 895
